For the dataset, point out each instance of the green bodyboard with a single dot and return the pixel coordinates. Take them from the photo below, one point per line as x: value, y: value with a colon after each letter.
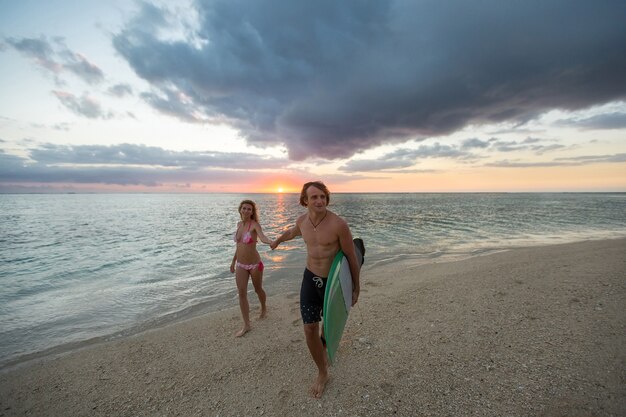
x: 338, y: 299
x: 335, y: 314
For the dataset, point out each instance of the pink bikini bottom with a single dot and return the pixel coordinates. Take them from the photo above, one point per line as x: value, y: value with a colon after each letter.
x: 250, y: 267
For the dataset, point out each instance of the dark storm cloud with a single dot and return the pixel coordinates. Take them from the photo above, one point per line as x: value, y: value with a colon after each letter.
x: 56, y: 57
x: 128, y: 164
x: 332, y: 78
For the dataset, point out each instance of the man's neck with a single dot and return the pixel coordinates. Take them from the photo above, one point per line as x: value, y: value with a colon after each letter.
x: 317, y: 215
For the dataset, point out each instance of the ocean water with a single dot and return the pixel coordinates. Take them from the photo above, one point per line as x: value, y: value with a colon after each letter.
x: 79, y: 267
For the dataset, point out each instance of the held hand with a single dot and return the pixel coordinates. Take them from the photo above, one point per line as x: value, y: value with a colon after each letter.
x: 273, y: 244
x: 232, y: 268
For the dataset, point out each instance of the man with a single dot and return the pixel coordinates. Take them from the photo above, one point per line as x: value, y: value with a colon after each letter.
x: 325, y: 234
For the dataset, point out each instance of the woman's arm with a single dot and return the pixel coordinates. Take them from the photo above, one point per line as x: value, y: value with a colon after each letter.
x: 232, y: 264
x: 261, y: 235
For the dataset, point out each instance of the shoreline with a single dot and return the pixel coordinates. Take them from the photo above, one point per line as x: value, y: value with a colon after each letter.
x: 84, y: 289
x: 527, y: 331
x: 207, y: 308
x: 228, y: 303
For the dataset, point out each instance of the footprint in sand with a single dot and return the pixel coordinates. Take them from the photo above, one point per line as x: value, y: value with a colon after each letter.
x: 295, y: 308
x: 387, y: 388
x: 283, y: 396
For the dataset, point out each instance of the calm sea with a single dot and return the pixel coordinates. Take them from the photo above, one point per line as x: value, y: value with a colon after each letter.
x: 79, y: 267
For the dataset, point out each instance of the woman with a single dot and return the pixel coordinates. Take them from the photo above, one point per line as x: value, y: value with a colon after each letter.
x: 247, y: 261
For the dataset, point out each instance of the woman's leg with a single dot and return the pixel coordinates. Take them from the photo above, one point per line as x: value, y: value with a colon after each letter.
x: 241, y: 277
x: 257, y: 282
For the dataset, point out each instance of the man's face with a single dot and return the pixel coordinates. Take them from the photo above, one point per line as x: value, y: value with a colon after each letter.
x: 315, y: 198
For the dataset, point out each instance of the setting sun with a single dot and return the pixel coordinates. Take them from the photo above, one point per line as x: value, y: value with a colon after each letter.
x: 280, y: 189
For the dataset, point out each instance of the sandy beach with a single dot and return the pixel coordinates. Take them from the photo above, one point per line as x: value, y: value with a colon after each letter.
x: 528, y: 332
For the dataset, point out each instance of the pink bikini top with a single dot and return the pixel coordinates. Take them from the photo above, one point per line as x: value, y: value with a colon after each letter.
x: 246, y: 237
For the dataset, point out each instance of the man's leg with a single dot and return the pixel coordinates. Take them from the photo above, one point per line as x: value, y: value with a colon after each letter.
x: 314, y: 343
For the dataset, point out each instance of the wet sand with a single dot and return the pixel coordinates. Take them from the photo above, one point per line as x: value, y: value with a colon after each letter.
x: 528, y: 332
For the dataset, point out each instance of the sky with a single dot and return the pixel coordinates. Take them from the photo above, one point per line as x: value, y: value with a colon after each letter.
x: 264, y: 95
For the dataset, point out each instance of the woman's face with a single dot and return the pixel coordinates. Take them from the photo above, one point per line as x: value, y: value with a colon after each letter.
x: 246, y: 211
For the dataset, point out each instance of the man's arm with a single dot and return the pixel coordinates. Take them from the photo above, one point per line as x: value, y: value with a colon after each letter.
x: 347, y: 247
x: 287, y: 235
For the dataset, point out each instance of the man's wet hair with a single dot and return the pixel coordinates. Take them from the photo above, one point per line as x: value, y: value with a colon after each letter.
x: 317, y: 184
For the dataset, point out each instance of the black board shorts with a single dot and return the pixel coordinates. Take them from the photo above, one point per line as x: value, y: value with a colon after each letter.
x: 312, y: 297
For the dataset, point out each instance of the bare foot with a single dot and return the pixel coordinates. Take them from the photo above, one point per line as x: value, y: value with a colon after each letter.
x: 243, y: 331
x: 317, y: 389
x: 263, y: 314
